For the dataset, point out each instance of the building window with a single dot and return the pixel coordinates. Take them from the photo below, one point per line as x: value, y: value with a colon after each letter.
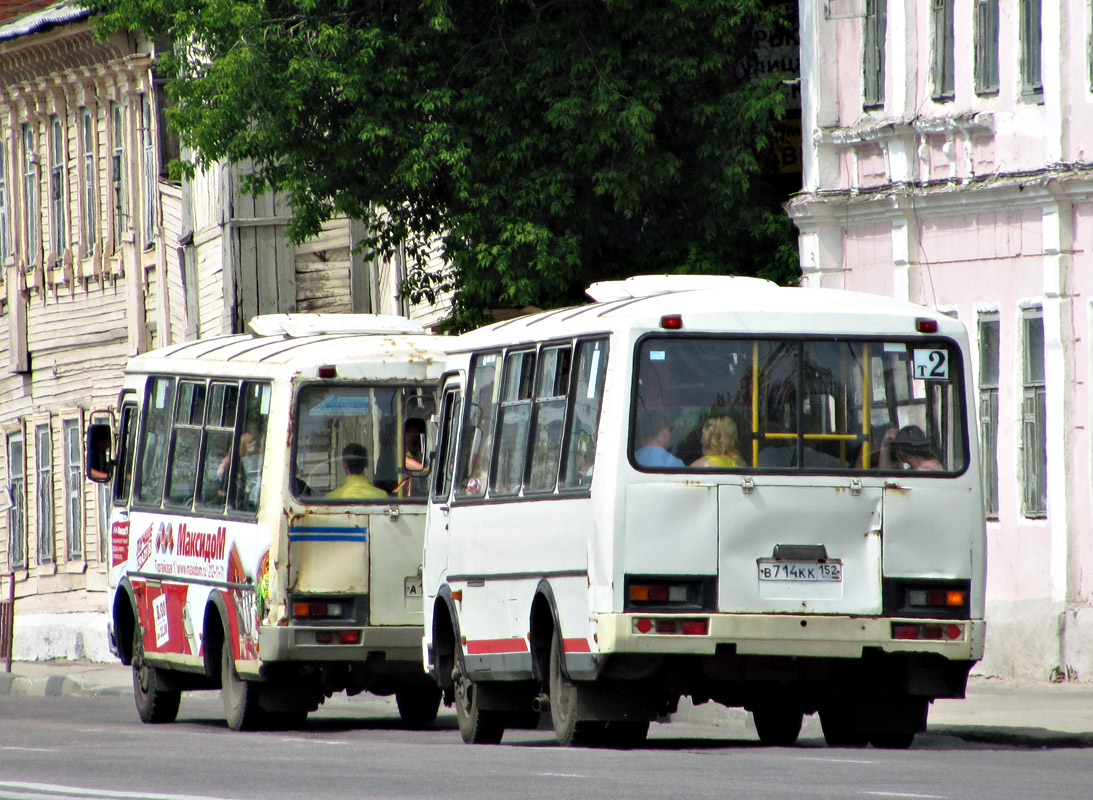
x: 57, y: 169
x: 117, y: 172
x: 1032, y: 86
x: 149, y: 169
x: 1034, y: 415
x: 986, y: 46
x: 17, y: 512
x: 74, y: 488
x: 988, y: 409
x: 30, y: 196
x: 90, y: 193
x: 875, y: 36
x: 944, y: 58
x: 5, y: 245
x: 44, y: 495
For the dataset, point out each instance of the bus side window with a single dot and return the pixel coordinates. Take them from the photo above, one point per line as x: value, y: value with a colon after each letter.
x: 445, y: 457
x: 186, y: 444
x: 123, y: 460
x: 476, y: 442
x: 250, y: 448
x: 584, y: 418
x: 515, y: 413
x: 158, y: 411
x: 552, y: 389
x: 216, y: 454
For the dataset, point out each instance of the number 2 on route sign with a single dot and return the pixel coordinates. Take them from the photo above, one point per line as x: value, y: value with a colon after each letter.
x: 932, y: 365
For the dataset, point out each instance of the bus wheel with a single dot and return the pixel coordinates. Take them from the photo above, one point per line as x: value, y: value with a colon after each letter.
x: 154, y: 704
x: 778, y: 724
x: 892, y: 740
x: 241, y: 704
x: 839, y: 730
x: 563, y: 706
x: 475, y: 725
x: 418, y: 704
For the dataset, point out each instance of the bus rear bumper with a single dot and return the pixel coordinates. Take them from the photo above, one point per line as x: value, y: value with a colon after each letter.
x: 299, y: 643
x: 792, y: 635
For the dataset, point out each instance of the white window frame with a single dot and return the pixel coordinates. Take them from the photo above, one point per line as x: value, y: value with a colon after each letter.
x: 58, y: 167
x: 31, y: 206
x: 117, y: 174
x: 90, y: 183
x: 5, y: 243
x: 986, y: 47
x: 17, y: 487
x: 874, y: 42
x: 74, y: 498
x: 149, y: 148
x: 1034, y: 414
x: 43, y: 495
x: 989, y: 366
x: 1031, y: 21
x: 943, y: 50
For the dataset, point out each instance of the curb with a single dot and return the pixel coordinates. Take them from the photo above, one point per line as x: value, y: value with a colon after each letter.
x: 54, y: 686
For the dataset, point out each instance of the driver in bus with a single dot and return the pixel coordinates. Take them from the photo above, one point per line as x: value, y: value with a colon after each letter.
x: 355, y: 486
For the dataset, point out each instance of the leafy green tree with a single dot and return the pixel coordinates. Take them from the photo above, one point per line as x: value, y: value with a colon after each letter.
x: 546, y: 143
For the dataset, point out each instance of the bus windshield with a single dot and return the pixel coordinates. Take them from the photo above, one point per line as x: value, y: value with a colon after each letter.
x: 357, y: 443
x: 723, y: 403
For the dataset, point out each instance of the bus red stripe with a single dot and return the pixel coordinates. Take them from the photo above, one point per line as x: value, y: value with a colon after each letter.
x: 576, y: 646
x: 479, y: 647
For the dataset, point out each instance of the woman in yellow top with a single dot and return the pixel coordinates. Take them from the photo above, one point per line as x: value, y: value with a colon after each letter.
x: 719, y: 444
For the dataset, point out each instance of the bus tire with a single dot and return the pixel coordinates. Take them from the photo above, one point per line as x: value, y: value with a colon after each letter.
x: 242, y: 707
x: 155, y: 705
x: 892, y: 740
x: 476, y: 726
x: 569, y: 730
x: 778, y: 724
x: 840, y: 731
x: 418, y: 704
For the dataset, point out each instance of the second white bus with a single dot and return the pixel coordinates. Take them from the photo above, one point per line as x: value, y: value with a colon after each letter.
x: 268, y: 515
x: 708, y: 487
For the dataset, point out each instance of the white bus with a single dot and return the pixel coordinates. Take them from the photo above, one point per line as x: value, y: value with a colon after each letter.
x: 268, y: 515
x: 707, y: 487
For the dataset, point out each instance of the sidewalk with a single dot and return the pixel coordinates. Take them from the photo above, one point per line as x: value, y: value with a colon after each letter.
x: 994, y: 712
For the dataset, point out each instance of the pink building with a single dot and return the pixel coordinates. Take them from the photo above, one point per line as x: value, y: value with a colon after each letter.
x: 948, y: 159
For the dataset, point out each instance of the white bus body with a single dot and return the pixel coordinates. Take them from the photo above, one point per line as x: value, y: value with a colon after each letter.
x: 811, y: 571
x: 240, y: 559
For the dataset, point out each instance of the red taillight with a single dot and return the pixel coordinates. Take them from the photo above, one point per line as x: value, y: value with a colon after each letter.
x: 349, y: 637
x: 696, y: 627
x: 923, y: 325
x: 908, y: 630
x: 671, y: 322
x: 955, y: 631
x: 905, y: 631
x: 328, y: 371
x: 324, y: 637
x: 644, y: 625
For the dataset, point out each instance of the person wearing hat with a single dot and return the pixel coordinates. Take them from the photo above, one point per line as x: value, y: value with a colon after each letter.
x: 908, y: 448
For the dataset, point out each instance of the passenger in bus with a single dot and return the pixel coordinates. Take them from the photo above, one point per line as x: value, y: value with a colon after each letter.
x: 720, y: 442
x: 908, y: 448
x: 355, y: 486
x: 654, y: 432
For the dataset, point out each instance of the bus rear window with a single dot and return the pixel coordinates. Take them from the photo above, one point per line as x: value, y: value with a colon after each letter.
x: 357, y: 443
x: 797, y: 404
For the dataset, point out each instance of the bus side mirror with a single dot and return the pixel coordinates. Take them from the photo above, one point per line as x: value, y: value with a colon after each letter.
x: 99, y: 467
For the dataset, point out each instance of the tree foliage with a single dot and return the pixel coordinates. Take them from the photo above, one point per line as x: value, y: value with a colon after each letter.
x: 545, y: 143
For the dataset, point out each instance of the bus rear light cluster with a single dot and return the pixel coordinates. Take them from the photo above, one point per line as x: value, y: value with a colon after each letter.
x: 672, y: 626
x: 928, y: 631
x: 659, y: 593
x: 337, y: 637
x: 935, y: 598
x: 317, y: 609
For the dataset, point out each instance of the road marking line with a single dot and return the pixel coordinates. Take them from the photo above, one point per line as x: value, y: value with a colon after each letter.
x: 906, y: 794
x: 29, y: 749
x: 79, y: 791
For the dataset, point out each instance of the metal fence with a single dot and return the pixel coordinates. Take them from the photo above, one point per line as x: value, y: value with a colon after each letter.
x: 7, y: 621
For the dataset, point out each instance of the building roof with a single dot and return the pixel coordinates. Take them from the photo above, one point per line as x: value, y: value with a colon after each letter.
x: 41, y: 17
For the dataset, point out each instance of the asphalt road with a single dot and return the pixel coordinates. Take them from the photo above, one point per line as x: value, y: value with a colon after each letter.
x: 89, y: 747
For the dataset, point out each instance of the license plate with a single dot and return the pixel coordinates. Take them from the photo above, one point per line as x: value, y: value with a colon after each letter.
x: 800, y: 571
x: 413, y: 587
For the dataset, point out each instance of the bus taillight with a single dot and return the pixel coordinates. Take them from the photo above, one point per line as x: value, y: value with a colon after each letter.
x: 672, y: 626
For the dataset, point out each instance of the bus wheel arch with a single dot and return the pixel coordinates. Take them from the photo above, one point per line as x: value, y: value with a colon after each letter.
x: 215, y: 637
x: 445, y: 635
x: 125, y: 621
x: 543, y: 624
